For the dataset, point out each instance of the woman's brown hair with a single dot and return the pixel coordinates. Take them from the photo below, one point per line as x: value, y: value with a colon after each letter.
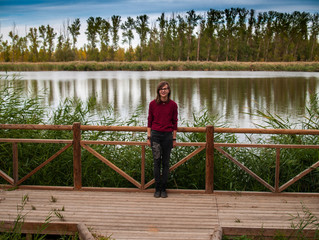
x: 159, y: 87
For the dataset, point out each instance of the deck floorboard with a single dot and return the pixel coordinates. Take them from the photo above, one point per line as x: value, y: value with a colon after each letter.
x: 138, y: 215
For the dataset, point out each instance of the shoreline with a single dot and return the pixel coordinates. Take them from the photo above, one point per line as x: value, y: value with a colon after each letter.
x: 160, y: 66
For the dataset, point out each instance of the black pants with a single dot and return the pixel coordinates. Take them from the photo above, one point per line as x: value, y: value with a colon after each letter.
x: 162, y: 143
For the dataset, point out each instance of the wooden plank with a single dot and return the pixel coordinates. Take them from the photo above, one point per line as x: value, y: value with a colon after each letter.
x: 15, y: 163
x: 267, y: 131
x: 35, y: 127
x: 84, y: 233
x: 138, y: 215
x: 20, y: 140
x: 209, y: 174
x: 77, y: 169
x: 6, y: 177
x: 41, y: 227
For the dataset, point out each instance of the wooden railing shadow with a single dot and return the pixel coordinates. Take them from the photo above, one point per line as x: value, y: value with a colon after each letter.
x: 78, y: 144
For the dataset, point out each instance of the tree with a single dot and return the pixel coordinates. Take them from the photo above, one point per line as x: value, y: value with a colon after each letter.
x: 230, y: 16
x: 93, y: 26
x: 241, y: 34
x: 201, y: 32
x: 104, y: 39
x: 171, y: 39
x: 116, y: 21
x: 162, y: 25
x: 127, y: 34
x: 142, y: 30
x: 43, y: 49
x: 214, y: 20
x: 251, y: 25
x: 192, y: 21
x: 14, y: 39
x: 50, y: 41
x: 181, y: 35
x: 33, y: 36
x: 314, y: 29
x: 75, y: 31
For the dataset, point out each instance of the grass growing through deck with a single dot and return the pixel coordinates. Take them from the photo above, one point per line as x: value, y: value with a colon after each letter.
x: 16, y: 109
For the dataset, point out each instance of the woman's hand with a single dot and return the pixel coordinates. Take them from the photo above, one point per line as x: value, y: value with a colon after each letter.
x: 174, y: 143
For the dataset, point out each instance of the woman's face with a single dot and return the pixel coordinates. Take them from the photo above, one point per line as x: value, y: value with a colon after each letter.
x: 164, y: 91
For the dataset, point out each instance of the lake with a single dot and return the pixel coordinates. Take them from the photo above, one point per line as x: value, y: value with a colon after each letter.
x: 232, y: 95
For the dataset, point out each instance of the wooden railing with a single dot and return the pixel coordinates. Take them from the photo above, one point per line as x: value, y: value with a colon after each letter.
x: 209, y: 146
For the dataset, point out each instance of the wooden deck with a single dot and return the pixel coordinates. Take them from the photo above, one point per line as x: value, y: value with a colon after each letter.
x: 138, y: 215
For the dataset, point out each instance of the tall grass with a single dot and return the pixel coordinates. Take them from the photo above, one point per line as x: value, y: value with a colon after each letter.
x: 161, y: 66
x: 15, y: 108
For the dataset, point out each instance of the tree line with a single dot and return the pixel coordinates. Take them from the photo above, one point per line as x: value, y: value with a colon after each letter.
x: 234, y: 34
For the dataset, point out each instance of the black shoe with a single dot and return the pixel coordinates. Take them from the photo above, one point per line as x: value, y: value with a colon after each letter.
x: 157, y: 194
x: 164, y: 194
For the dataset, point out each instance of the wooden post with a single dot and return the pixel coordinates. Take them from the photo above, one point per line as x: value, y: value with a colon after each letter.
x: 209, y: 186
x: 77, y: 171
x: 277, y: 170
x: 15, y: 163
x: 143, y: 169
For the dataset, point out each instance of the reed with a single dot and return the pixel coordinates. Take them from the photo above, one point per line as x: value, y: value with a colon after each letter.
x: 161, y: 66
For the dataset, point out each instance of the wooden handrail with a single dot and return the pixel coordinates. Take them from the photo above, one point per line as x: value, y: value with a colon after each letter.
x: 144, y: 129
x: 79, y: 144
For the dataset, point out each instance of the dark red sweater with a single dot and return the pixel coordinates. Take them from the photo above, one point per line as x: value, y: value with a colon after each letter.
x: 162, y: 116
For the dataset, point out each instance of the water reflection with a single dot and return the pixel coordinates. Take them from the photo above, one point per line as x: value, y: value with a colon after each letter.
x: 228, y: 94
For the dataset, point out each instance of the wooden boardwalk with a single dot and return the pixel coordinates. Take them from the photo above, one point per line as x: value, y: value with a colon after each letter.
x: 138, y: 215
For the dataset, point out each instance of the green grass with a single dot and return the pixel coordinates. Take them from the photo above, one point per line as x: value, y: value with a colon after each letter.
x: 161, y: 66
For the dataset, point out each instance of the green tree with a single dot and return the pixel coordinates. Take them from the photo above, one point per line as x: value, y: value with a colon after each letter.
x: 75, y: 31
x: 162, y: 26
x: 230, y: 17
x: 241, y: 35
x: 104, y: 39
x: 33, y: 37
x: 14, y: 39
x: 127, y: 33
x: 43, y: 49
x: 116, y: 23
x: 50, y: 40
x: 5, y: 49
x: 214, y: 20
x: 93, y: 27
x: 142, y: 30
x: 200, y: 34
x: 22, y: 46
x: 181, y: 30
x: 314, y: 29
x: 251, y: 26
x: 171, y: 39
x: 192, y: 21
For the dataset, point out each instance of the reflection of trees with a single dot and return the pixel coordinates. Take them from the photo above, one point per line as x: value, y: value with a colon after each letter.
x: 228, y: 97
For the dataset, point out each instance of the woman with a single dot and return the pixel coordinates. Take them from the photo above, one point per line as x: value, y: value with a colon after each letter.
x: 161, y: 135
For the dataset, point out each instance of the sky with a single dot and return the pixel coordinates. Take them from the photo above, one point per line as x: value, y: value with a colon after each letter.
x: 21, y: 15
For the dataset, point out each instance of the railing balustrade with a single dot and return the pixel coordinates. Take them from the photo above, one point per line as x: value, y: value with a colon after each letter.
x: 210, y: 145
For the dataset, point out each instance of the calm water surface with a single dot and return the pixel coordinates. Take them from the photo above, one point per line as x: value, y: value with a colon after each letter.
x: 231, y: 95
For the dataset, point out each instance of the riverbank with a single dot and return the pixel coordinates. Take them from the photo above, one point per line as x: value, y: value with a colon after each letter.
x: 161, y: 66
